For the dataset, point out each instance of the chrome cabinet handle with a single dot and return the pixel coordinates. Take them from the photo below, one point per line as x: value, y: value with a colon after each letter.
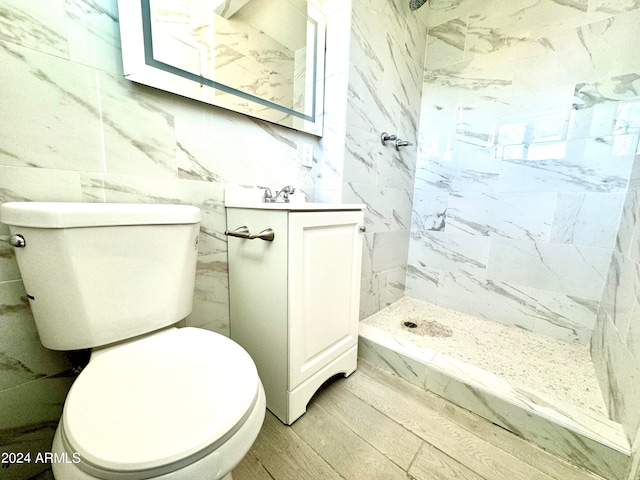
x: 243, y: 232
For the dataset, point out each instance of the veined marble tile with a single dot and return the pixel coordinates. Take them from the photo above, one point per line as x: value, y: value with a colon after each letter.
x: 368, y: 45
x: 422, y: 283
x: 380, y: 290
x: 628, y: 223
x: 563, y: 175
x: 634, y: 240
x: 598, y: 354
x: 573, y: 433
x: 494, y: 37
x: 270, y: 159
x: 567, y: 318
x: 559, y: 316
x: 589, y: 219
x: 632, y: 335
x: 138, y: 124
x: 467, y: 82
x: 402, y: 357
x: 449, y: 252
x: 24, y: 184
x: 396, y: 169
x: 569, y: 269
x: 623, y: 390
x: 363, y: 152
x: 620, y: 291
x: 49, y: 114
x: 521, y: 16
x: 28, y: 419
x: 20, y: 184
x: 539, y: 421
x: 429, y: 210
x: 446, y: 43
x: 403, y: 72
x: 459, y: 174
x: 211, y: 292
x: 22, y: 356
x: 36, y: 25
x: 620, y: 90
x: 584, y: 54
x: 390, y: 250
x: 388, y: 209
x: 497, y: 301
x: 393, y: 285
x: 506, y: 215
x: 208, y: 196
x: 369, y: 296
x: 433, y: 176
x: 599, y: 9
x: 368, y: 110
x: 437, y: 12
x: 613, y: 34
x: 93, y: 34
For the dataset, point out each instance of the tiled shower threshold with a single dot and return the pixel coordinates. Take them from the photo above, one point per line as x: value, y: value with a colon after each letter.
x: 541, y: 389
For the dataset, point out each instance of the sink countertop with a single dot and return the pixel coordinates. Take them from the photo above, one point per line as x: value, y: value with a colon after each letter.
x: 252, y: 198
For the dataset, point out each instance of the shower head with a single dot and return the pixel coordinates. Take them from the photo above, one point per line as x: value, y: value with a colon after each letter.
x: 416, y: 4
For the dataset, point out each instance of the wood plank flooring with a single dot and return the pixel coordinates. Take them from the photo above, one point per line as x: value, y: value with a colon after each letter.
x: 374, y: 425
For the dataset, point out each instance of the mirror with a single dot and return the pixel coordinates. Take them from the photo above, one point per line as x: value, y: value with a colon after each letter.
x: 262, y: 58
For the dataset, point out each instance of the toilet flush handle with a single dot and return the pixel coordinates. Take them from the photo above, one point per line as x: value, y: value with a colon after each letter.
x: 16, y: 240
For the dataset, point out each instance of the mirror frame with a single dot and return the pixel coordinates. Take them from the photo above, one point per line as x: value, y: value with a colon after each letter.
x: 139, y: 66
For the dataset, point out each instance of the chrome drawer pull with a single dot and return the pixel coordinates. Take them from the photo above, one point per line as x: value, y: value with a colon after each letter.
x: 243, y: 232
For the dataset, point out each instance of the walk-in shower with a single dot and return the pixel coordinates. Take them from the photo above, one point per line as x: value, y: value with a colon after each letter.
x: 519, y: 210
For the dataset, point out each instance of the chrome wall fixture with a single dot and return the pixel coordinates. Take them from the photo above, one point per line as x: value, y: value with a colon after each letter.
x: 385, y: 137
x: 398, y: 143
x: 401, y: 143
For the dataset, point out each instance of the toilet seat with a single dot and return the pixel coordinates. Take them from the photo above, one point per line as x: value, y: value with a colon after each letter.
x: 155, y: 404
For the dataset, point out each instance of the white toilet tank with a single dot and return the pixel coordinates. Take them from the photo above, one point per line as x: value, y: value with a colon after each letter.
x: 97, y: 273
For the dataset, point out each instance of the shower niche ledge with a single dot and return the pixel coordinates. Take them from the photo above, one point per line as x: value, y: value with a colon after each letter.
x: 579, y: 435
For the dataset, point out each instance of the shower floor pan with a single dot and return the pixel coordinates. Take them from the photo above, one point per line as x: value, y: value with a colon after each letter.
x: 537, y: 387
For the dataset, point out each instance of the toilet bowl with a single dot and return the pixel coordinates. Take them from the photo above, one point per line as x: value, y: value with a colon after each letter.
x: 154, y: 401
x: 179, y: 404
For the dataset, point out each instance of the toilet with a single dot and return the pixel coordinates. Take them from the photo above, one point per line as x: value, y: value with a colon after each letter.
x: 154, y: 401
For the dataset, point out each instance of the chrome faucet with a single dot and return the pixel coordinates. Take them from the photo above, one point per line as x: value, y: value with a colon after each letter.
x: 268, y: 196
x: 286, y: 191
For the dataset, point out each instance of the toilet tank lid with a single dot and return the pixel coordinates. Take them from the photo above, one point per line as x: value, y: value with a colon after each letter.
x: 72, y: 214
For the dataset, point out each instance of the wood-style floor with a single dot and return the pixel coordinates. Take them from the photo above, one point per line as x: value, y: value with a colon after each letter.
x: 374, y: 425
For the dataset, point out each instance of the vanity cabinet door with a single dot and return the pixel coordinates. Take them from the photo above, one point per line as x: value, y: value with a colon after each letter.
x: 325, y: 252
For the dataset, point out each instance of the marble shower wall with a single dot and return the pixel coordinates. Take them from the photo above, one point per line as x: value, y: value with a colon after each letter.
x: 385, y: 83
x: 73, y: 129
x: 615, y: 347
x: 528, y: 132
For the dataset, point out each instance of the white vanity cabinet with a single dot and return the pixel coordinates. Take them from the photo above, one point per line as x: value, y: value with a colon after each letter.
x: 294, y: 301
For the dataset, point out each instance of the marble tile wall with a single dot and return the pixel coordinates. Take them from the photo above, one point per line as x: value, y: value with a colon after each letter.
x: 528, y: 134
x: 73, y: 129
x: 385, y: 84
x: 526, y: 198
x: 615, y: 347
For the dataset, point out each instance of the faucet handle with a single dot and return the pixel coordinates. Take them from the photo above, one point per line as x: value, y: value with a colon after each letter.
x: 268, y: 196
x: 286, y: 191
x: 402, y: 143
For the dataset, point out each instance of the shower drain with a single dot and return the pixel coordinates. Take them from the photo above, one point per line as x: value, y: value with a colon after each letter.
x: 426, y: 327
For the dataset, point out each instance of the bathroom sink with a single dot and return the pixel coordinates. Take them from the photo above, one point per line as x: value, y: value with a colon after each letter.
x: 252, y: 198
